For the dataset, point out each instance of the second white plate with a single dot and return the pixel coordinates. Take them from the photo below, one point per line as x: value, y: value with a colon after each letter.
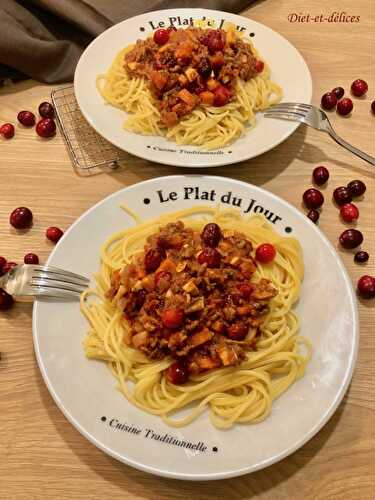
x: 288, y: 69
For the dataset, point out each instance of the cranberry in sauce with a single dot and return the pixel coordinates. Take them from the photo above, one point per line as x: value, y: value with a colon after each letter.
x: 211, y: 235
x: 177, y: 373
x: 237, y: 331
x: 172, y: 318
x: 161, y: 36
x: 153, y: 259
x: 209, y: 256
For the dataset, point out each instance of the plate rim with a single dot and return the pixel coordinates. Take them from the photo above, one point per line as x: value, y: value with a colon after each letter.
x: 245, y: 470
x: 181, y: 164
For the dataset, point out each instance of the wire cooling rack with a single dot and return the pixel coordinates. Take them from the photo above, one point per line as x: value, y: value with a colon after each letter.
x: 87, y: 149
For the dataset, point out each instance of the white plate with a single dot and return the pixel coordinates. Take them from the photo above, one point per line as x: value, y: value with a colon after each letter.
x: 85, y: 390
x: 288, y: 69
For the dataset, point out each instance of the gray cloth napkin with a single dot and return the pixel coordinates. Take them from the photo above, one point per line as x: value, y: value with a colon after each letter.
x: 43, y: 39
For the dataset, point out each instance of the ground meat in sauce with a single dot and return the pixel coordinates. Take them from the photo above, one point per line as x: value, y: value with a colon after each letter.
x: 204, y: 316
x: 194, y: 67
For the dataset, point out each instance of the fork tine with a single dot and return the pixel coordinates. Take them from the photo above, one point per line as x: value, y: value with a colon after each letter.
x: 58, y: 278
x: 292, y: 115
x: 54, y: 293
x: 293, y: 105
x: 294, y: 109
x: 53, y: 285
x: 55, y: 272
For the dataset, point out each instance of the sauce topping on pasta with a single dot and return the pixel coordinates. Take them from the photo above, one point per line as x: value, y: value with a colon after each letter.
x: 192, y: 296
x: 190, y: 67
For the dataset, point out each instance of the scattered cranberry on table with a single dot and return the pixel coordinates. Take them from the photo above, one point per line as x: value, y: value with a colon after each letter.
x: 6, y: 300
x: 342, y: 195
x: 7, y: 130
x: 361, y: 257
x: 329, y: 100
x: 46, y: 127
x: 339, y: 92
x: 359, y: 88
x: 320, y: 175
x: 31, y: 258
x: 209, y: 256
x: 265, y: 253
x: 172, y: 318
x: 344, y: 106
x: 54, y: 234
x: 351, y: 238
x: 3, y: 261
x: 313, y: 215
x: 161, y: 36
x: 357, y: 187
x: 366, y: 287
x: 21, y: 218
x: 349, y: 212
x: 373, y: 107
x: 46, y: 110
x: 9, y: 266
x: 26, y: 118
x: 313, y: 198
x: 177, y: 373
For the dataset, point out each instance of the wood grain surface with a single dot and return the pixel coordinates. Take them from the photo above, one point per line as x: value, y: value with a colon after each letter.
x: 41, y: 455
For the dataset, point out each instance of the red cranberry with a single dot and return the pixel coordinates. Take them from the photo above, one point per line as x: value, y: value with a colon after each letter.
x: 31, y: 258
x: 313, y: 198
x: 153, y: 259
x: 238, y: 331
x: 366, y: 287
x: 139, y: 298
x: 320, y: 175
x: 163, y: 280
x: 349, y: 212
x: 357, y: 187
x: 177, y: 373
x: 222, y: 96
x: 359, y: 87
x: 351, y: 238
x: 342, y: 195
x: 313, y: 215
x: 209, y: 256
x: 215, y: 41
x: 259, y: 66
x: 161, y: 36
x: 46, y: 127
x: 172, y: 318
x: 373, y: 107
x: 46, y: 110
x: 211, y: 235
x: 329, y: 100
x: 21, y: 218
x: 6, y: 300
x: 344, y: 106
x: 54, y: 234
x: 245, y: 290
x: 339, y: 92
x: 26, y: 118
x: 7, y: 130
x: 265, y: 253
x: 361, y: 257
x: 9, y: 266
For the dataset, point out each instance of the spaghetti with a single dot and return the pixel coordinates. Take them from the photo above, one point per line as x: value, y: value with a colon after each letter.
x: 242, y: 393
x: 210, y: 111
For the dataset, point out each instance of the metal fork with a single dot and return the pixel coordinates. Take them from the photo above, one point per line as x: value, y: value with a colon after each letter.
x: 43, y: 281
x: 315, y: 118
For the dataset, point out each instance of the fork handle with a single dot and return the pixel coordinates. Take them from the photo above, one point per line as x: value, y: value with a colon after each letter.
x: 352, y: 149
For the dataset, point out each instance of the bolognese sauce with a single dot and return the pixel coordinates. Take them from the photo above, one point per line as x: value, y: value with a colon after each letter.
x: 192, y: 295
x: 191, y: 67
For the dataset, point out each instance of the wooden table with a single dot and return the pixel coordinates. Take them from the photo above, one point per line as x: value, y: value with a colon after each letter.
x: 41, y: 455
